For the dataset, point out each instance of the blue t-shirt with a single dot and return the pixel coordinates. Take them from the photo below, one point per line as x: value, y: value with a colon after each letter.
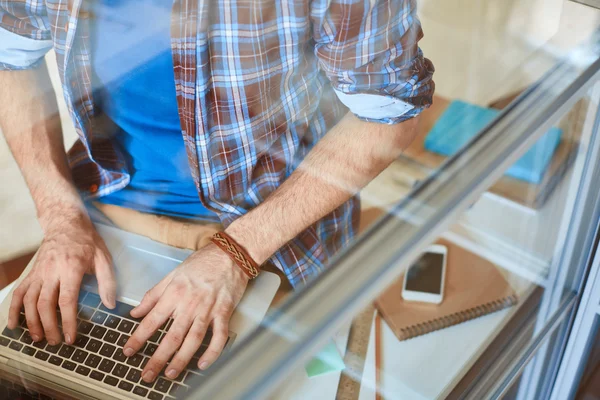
x: 133, y: 74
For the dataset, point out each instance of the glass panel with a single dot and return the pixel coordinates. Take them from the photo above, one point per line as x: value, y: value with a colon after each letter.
x: 509, y: 259
x: 498, y: 172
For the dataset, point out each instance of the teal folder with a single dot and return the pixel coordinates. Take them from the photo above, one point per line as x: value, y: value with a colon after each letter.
x: 461, y: 121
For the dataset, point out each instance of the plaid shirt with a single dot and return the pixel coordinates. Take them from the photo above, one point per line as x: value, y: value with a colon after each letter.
x: 258, y: 83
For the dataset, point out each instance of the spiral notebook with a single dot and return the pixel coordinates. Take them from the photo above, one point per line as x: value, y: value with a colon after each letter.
x: 474, y: 287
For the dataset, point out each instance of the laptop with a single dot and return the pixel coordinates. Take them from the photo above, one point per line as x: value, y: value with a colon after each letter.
x: 94, y: 367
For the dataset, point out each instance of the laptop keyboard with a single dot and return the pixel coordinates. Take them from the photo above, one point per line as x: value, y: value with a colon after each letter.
x: 97, y: 353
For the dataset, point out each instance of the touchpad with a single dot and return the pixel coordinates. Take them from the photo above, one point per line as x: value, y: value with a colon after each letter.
x: 138, y: 270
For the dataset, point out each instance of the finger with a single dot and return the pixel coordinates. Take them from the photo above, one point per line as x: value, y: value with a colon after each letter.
x: 67, y: 301
x: 188, y: 349
x: 105, y: 274
x: 150, y: 299
x: 150, y: 324
x: 16, y: 304
x: 46, y: 307
x: 31, y: 313
x: 217, y: 343
x: 168, y: 346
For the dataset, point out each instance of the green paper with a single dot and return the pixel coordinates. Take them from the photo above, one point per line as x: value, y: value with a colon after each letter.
x: 327, y: 360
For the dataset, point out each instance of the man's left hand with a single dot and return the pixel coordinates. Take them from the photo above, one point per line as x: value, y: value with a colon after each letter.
x: 203, y: 291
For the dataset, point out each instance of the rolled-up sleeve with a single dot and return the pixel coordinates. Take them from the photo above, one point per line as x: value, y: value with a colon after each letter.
x: 369, y: 51
x: 24, y: 34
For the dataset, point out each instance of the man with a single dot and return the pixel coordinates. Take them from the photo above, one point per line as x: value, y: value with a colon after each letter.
x: 286, y: 108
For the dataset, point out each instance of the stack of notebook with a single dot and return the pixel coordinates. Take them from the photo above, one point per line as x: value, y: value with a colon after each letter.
x: 474, y: 287
x: 447, y: 126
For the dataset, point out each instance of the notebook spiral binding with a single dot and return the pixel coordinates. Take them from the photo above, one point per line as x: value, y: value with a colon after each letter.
x: 457, y: 318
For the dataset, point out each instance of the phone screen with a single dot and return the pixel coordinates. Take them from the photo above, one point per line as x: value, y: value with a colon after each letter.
x: 426, y: 274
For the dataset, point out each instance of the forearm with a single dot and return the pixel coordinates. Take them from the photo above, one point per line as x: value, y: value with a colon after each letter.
x: 30, y: 122
x: 343, y: 162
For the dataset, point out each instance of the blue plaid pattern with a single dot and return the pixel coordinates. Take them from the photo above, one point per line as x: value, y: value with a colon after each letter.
x: 256, y: 82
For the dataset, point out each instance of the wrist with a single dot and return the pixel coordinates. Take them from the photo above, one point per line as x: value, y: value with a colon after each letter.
x: 56, y: 216
x: 250, y: 241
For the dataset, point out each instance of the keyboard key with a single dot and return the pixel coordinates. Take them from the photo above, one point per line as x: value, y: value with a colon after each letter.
x: 81, y: 341
x: 98, y: 332
x: 121, y: 310
x: 177, y: 390
x: 135, y: 360
x: 106, y: 366
x: 120, y: 370
x: 112, y: 321
x: 149, y: 385
x: 85, y: 313
x: 150, y: 349
x: 53, y: 349
x: 69, y: 365
x: 125, y: 326
x: 79, y: 356
x: 111, y: 336
x: 13, y: 333
x: 193, y: 364
x: 98, y: 376
x: 41, y: 344
x: 122, y: 340
x: 146, y: 359
x: 162, y: 385
x: 107, y: 350
x: 155, y: 396
x: 99, y: 317
x: 92, y: 300
x: 93, y: 360
x: 134, y: 375
x: 124, y: 385
x: 84, y: 327
x: 82, y: 294
x: 111, y: 380
x: 119, y: 356
x: 28, y: 350
x: 155, y: 336
x: 179, y: 377
x: 55, y: 360
x: 200, y: 351
x: 191, y: 377
x: 4, y: 341
x: 94, y: 345
x: 66, y: 351
x: 140, y: 391
x: 81, y: 370
x: 42, y: 355
x: 15, y: 346
x: 26, y: 338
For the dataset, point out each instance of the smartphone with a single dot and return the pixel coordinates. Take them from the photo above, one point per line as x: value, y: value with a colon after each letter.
x: 424, y: 280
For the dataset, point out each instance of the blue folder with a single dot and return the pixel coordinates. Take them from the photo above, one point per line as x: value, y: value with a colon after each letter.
x: 461, y: 121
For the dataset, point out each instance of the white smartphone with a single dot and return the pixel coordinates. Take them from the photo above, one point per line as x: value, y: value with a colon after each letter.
x: 424, y: 280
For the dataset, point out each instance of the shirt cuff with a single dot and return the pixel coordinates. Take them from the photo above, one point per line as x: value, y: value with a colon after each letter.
x: 20, y: 52
x: 375, y: 107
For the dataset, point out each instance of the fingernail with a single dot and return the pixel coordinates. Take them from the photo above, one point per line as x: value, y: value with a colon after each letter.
x: 204, y: 365
x: 68, y: 338
x: 149, y: 376
x: 51, y: 342
x: 128, y: 351
x: 172, y: 373
x: 35, y: 338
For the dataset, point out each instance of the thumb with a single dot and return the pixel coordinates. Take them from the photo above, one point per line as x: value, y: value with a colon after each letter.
x: 107, y: 285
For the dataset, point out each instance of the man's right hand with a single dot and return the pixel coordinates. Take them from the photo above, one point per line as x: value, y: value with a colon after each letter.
x: 70, y: 248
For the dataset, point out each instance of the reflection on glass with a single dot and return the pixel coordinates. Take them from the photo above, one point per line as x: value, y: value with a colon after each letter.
x: 215, y: 140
